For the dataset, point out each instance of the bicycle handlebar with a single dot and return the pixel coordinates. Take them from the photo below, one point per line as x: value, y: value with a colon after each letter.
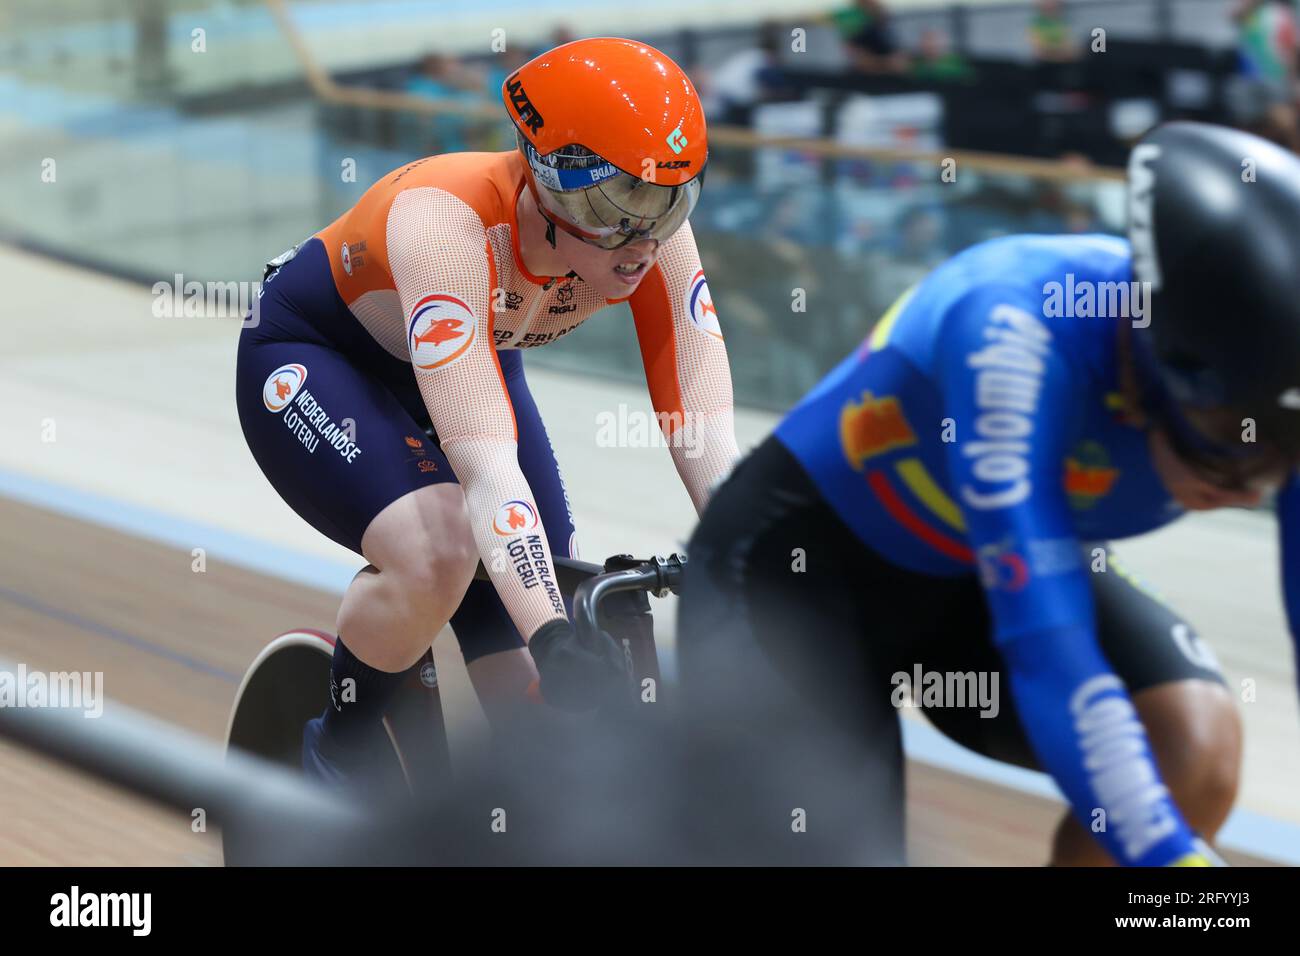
x: 657, y: 575
x: 590, y: 584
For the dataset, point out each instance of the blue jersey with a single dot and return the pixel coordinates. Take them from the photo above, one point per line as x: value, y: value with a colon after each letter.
x: 980, y: 429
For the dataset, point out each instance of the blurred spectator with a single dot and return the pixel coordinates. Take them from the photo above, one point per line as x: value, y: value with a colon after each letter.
x: 746, y: 78
x: 936, y: 61
x: 869, y: 37
x: 501, y: 66
x: 441, y: 75
x: 1049, y: 33
x: 1263, y: 96
x: 516, y: 55
x: 561, y: 34
x: 445, y: 77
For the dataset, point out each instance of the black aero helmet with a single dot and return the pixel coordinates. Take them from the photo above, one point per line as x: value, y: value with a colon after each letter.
x: 1214, y: 225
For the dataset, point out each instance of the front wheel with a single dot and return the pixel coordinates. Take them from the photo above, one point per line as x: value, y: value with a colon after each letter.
x: 285, y: 686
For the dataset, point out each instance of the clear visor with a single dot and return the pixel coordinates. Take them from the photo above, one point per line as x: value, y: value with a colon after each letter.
x: 604, y: 206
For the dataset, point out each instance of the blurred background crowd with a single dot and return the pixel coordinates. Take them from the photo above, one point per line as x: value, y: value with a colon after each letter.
x: 223, y: 131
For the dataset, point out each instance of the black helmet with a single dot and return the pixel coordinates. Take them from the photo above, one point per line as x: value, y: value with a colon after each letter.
x: 1214, y: 224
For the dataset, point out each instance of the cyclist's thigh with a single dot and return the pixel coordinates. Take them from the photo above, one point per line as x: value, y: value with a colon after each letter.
x: 958, y: 650
x: 481, y: 623
x: 1146, y: 641
x: 766, y: 589
x: 779, y: 686
x: 333, y: 441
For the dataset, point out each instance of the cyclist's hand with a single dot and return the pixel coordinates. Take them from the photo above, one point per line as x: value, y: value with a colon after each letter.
x: 575, y: 674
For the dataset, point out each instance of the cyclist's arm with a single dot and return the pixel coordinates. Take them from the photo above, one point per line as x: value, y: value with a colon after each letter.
x: 686, y: 366
x: 1288, y: 519
x: 437, y: 245
x: 1012, y: 398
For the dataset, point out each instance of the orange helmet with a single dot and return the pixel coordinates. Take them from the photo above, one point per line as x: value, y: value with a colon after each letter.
x: 613, y: 138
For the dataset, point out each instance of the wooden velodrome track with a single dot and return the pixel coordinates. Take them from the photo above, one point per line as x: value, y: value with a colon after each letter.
x: 173, y: 643
x: 144, y: 417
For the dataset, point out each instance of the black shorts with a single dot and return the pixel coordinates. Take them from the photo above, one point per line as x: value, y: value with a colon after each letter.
x: 787, y: 617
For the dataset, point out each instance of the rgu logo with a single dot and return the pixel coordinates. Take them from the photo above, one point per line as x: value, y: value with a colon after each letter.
x: 524, y: 108
x: 872, y: 427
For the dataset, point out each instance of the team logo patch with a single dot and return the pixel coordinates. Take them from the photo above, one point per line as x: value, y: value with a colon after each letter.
x: 1088, y: 475
x: 514, y: 517
x: 442, y: 327
x: 282, y: 385
x: 1002, y: 569
x: 872, y: 427
x: 699, y: 306
x: 347, y: 259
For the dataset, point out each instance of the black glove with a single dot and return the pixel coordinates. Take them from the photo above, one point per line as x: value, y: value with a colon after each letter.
x: 576, y: 674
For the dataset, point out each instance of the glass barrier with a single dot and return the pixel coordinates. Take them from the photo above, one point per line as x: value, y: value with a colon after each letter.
x: 803, y: 253
x: 112, y: 154
x: 142, y: 170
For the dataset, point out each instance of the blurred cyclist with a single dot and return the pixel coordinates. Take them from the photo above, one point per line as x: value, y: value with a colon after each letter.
x: 409, y: 313
x: 940, y: 503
